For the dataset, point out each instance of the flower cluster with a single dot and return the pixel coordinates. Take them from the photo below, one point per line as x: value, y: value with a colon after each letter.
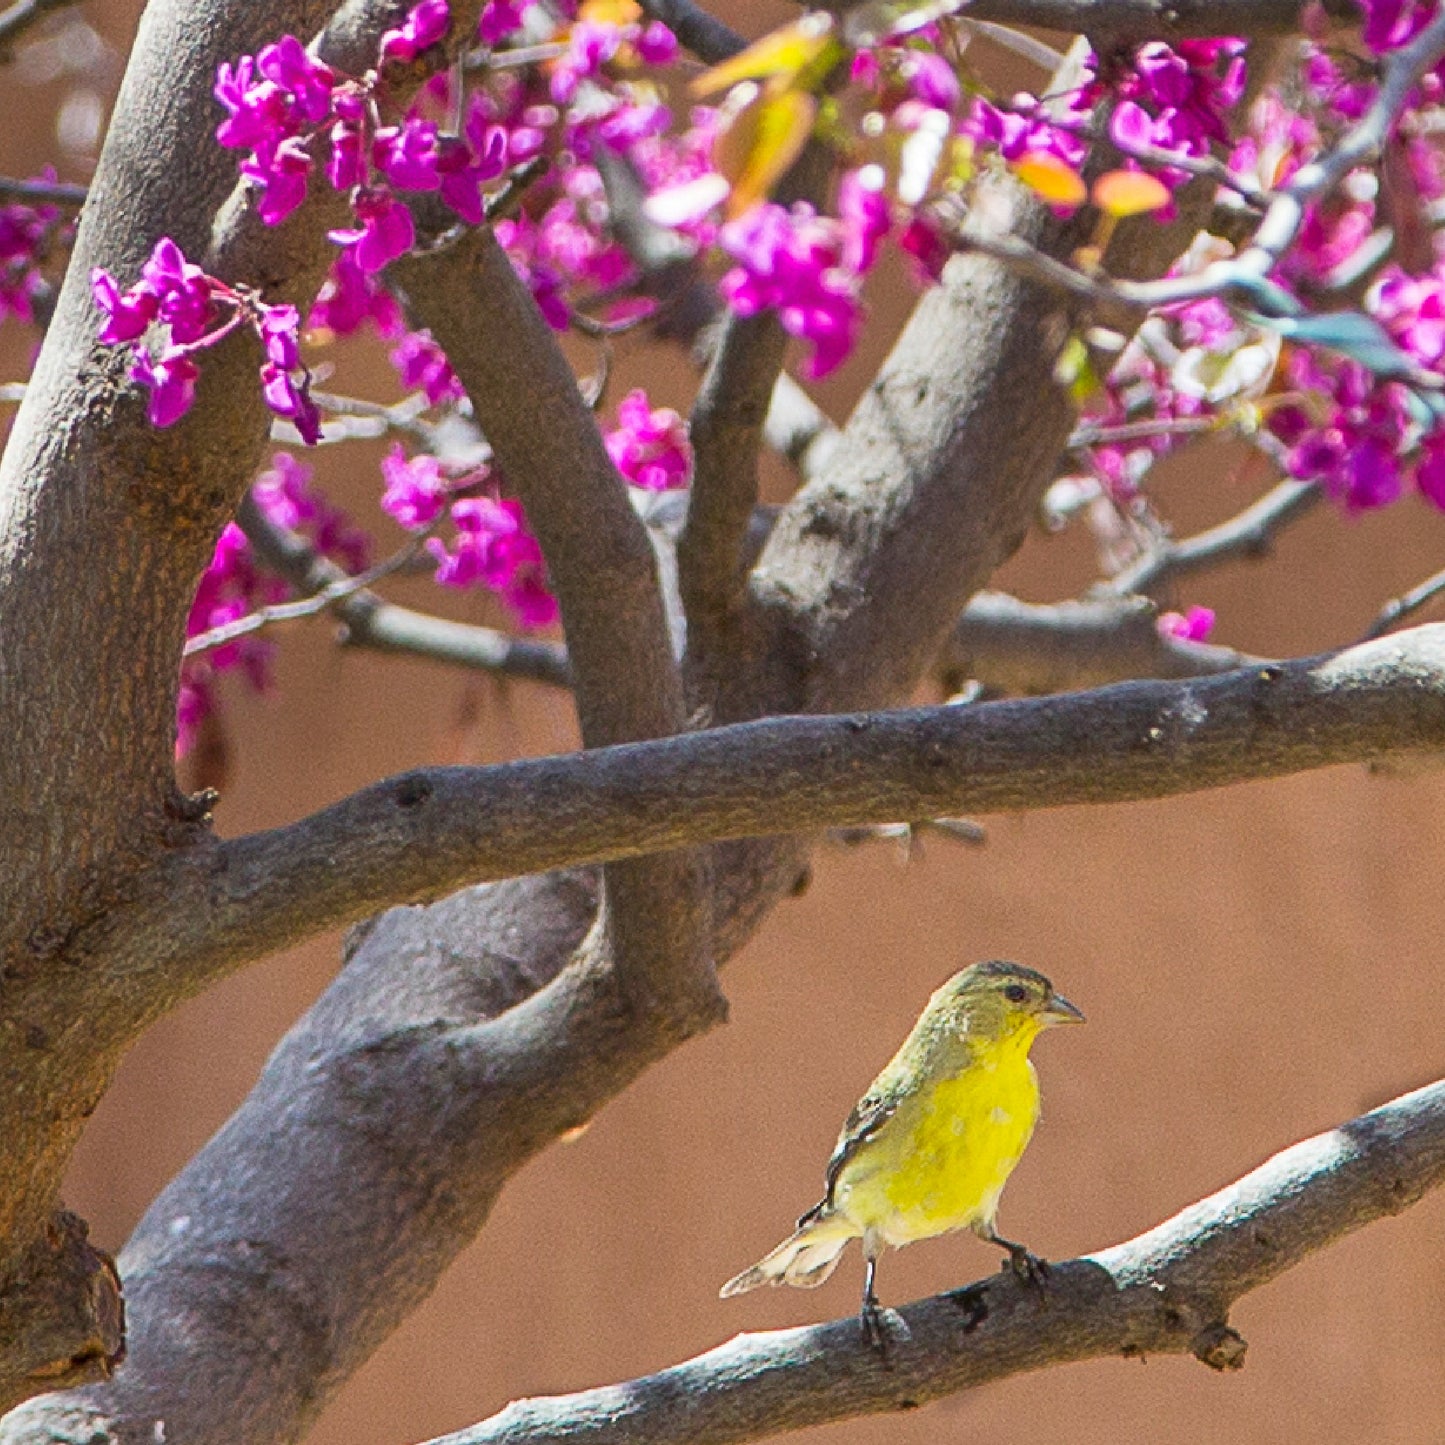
x: 26, y: 235
x: 1176, y: 100
x: 808, y: 267
x: 281, y: 101
x: 493, y: 547
x: 650, y: 448
x: 198, y: 311
x: 233, y: 586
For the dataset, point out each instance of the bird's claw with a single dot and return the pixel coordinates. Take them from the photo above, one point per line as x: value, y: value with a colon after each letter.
x: 879, y: 1328
x: 1029, y: 1268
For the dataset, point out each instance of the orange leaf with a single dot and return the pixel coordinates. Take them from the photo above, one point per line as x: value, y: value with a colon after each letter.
x: 609, y: 12
x: 807, y: 45
x: 760, y: 140
x: 1055, y: 180
x: 1129, y: 193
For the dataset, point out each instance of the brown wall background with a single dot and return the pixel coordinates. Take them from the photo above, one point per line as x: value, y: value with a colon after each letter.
x: 1256, y: 965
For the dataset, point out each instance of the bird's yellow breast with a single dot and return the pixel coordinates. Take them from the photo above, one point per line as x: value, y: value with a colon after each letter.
x: 941, y: 1162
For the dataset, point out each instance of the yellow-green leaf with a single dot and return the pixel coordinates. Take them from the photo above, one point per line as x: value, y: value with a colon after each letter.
x: 800, y: 54
x: 760, y: 140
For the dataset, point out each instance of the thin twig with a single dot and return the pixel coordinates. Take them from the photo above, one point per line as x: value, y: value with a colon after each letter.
x: 385, y: 627
x: 15, y: 21
x: 338, y: 591
x: 41, y: 193
x: 1396, y: 611
x: 1249, y: 534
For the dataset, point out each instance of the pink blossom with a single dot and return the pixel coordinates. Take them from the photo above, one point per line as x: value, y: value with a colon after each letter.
x: 386, y: 229
x: 650, y: 448
x: 416, y: 489
x: 419, y: 361
x: 425, y: 24
x: 792, y: 261
x: 501, y: 19
x: 1192, y: 626
x: 171, y: 379
x: 349, y: 298
x: 494, y: 548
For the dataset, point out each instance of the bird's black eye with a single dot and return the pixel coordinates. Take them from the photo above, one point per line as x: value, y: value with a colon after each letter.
x: 1016, y: 993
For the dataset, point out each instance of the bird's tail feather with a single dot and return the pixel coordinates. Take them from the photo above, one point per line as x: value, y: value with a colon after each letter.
x: 803, y: 1260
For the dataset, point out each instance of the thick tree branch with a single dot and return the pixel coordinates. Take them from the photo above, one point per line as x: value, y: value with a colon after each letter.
x: 105, y: 524
x: 625, y: 677
x: 418, y: 835
x: 1168, y: 1291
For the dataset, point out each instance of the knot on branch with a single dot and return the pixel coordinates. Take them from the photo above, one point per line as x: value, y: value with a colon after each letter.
x: 1220, y: 1346
x: 62, y: 1318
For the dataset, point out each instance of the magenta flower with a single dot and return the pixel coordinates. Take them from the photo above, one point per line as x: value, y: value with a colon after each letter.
x: 416, y: 489
x: 656, y: 45
x: 407, y: 155
x: 349, y: 298
x: 501, y: 19
x: 386, y: 229
x: 280, y: 175
x: 1192, y: 626
x: 172, y: 382
x: 127, y: 313
x: 420, y: 362
x: 494, y: 548
x: 469, y: 161
x: 25, y: 235
x: 792, y: 262
x: 425, y: 24
x: 650, y: 448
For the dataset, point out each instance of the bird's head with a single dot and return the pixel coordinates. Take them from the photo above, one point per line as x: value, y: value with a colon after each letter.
x: 998, y: 999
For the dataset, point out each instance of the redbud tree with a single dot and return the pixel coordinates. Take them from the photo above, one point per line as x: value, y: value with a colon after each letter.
x: 1212, y: 221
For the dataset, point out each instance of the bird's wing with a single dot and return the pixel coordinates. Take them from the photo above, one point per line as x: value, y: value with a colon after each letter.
x: 869, y: 1115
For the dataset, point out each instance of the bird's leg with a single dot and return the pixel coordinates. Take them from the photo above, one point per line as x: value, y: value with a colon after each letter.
x: 1027, y: 1265
x: 870, y: 1316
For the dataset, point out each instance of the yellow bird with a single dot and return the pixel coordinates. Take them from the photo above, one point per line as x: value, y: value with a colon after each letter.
x: 930, y: 1146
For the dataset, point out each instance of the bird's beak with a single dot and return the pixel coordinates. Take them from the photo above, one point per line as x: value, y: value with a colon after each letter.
x: 1060, y: 1011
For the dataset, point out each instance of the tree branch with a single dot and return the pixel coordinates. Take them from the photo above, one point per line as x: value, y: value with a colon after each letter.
x: 1396, y: 611
x: 1249, y: 534
x: 1026, y: 648
x: 1135, y: 20
x: 422, y: 833
x: 385, y: 627
x: 626, y: 679
x: 1167, y: 1291
x: 22, y: 15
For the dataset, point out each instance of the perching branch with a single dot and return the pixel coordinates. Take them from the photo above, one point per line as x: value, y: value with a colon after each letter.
x: 1168, y: 1291
x: 416, y: 836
